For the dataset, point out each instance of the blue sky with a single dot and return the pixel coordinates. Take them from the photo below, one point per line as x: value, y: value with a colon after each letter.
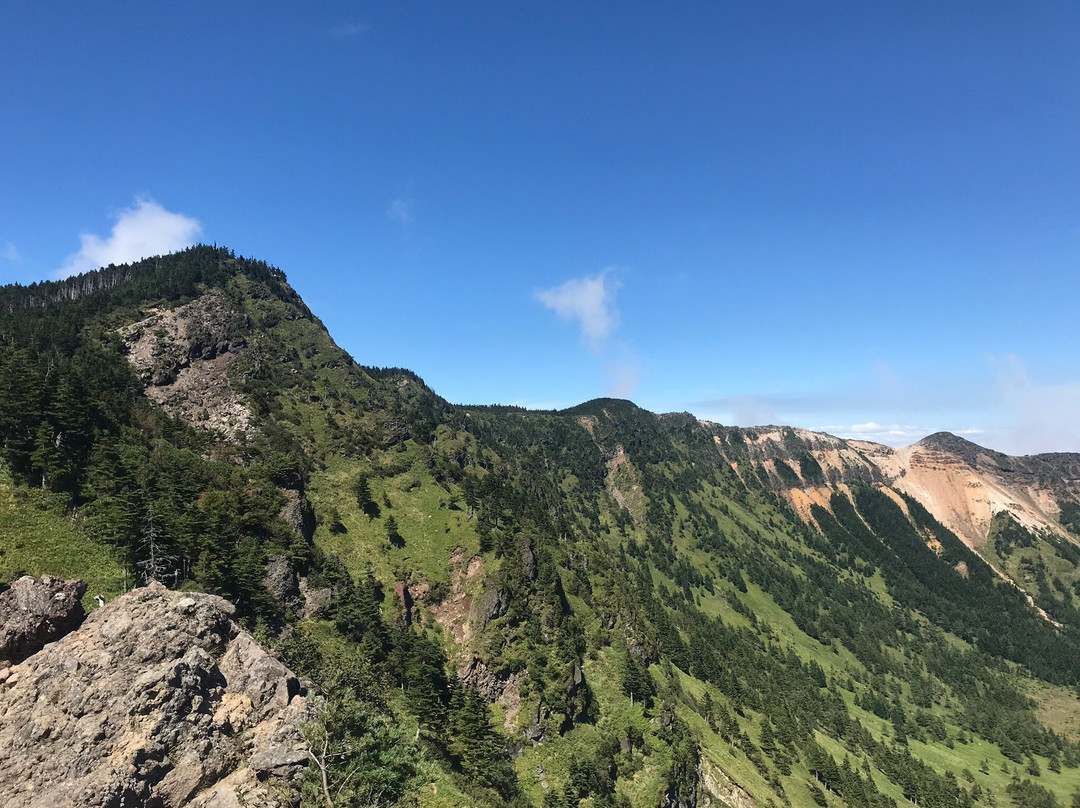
x: 862, y: 217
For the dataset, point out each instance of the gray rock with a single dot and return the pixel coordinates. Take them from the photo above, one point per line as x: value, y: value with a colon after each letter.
x: 283, y: 761
x: 281, y: 582
x: 298, y: 513
x: 315, y: 600
x: 528, y: 558
x: 159, y: 698
x: 36, y: 611
x: 487, y: 683
x: 491, y: 605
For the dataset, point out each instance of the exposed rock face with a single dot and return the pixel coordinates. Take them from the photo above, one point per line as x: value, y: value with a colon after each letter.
x: 315, y: 601
x: 410, y: 612
x: 962, y: 484
x: 487, y: 683
x: 36, y: 611
x: 183, y: 356
x: 453, y: 613
x: 720, y: 790
x: 298, y: 514
x: 491, y: 605
x: 158, y: 699
x: 282, y: 583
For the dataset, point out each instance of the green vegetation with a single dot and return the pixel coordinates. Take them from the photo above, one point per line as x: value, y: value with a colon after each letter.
x: 633, y: 592
x: 38, y: 537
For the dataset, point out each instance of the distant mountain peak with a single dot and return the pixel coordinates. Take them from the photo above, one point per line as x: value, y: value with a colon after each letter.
x: 961, y: 447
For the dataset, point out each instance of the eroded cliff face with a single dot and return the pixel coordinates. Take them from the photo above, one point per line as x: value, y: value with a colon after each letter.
x: 183, y: 355
x: 160, y: 699
x: 961, y: 484
x: 964, y: 485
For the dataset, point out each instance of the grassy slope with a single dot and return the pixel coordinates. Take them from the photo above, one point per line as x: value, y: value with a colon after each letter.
x: 39, y: 537
x: 433, y: 531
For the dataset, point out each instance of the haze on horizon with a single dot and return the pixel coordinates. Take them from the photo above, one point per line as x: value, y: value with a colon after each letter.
x: 853, y: 219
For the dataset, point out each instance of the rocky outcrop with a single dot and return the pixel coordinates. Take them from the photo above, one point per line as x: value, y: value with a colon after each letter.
x: 487, y: 683
x: 964, y: 486
x: 316, y: 600
x: 720, y: 790
x: 281, y: 581
x: 579, y: 701
x: 37, y: 611
x: 298, y: 514
x: 183, y: 356
x: 159, y: 698
x: 491, y: 605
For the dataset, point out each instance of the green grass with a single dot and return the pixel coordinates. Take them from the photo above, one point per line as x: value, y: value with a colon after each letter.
x: 39, y: 537
x: 431, y: 528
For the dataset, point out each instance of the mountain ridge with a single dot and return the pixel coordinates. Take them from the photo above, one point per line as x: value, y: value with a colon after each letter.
x: 662, y: 611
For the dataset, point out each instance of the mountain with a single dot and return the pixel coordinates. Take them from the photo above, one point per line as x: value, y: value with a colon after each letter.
x: 599, y: 606
x: 990, y: 501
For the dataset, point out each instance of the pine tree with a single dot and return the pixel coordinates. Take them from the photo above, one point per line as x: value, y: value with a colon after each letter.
x: 392, y: 534
x: 45, y: 458
x: 475, y: 745
x: 364, y: 501
x: 156, y: 561
x: 359, y: 757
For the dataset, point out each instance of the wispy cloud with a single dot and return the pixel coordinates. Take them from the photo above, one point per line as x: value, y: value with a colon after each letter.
x: 623, y: 374
x: 588, y: 301
x: 1000, y: 406
x: 889, y: 434
x: 880, y: 391
x: 751, y: 411
x: 400, y: 211
x: 9, y: 252
x: 350, y: 30
x: 1036, y: 417
x: 881, y: 406
x: 143, y: 230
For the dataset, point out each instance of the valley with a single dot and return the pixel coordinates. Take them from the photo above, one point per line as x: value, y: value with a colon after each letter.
x: 598, y: 606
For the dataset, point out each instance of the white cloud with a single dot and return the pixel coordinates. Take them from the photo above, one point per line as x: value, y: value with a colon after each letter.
x: 999, y: 406
x: 589, y: 301
x: 141, y: 231
x: 889, y: 434
x: 739, y: 410
x: 1036, y: 417
x: 9, y: 252
x: 400, y: 211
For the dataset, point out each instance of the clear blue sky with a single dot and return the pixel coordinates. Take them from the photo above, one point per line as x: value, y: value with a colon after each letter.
x: 863, y: 217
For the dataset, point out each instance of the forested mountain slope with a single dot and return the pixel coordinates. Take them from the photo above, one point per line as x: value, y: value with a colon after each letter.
x: 599, y: 606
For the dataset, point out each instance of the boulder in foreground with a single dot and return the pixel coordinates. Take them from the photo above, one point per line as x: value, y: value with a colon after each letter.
x: 159, y: 698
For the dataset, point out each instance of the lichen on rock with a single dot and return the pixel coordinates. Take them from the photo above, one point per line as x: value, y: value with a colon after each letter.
x: 159, y: 698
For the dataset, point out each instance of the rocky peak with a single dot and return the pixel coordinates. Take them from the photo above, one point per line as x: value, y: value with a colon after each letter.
x: 952, y: 444
x: 159, y: 698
